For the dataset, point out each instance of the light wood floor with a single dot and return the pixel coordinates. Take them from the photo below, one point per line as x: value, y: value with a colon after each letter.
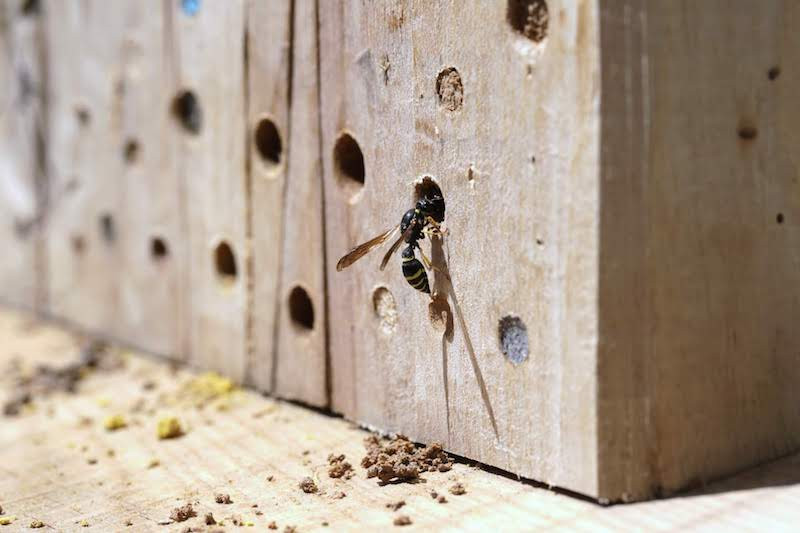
x: 58, y: 464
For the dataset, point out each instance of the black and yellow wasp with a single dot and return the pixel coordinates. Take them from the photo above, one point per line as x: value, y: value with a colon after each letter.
x: 427, y: 213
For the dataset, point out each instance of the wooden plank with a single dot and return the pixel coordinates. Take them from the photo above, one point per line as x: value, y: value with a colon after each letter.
x: 268, y: 72
x: 234, y: 451
x: 698, y: 241
x: 116, y: 258
x: 300, y: 369
x: 511, y: 137
x: 22, y: 193
x: 210, y: 43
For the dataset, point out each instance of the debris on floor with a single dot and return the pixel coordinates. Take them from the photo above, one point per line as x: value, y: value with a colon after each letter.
x: 403, y: 520
x: 223, y: 498
x: 169, y: 428
x: 308, y: 485
x: 457, y: 489
x: 115, y: 422
x: 401, y: 460
x: 338, y: 467
x: 183, y: 513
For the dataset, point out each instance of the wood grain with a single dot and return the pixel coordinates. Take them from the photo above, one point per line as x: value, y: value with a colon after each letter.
x: 698, y: 242
x: 518, y: 166
x: 45, y: 456
x: 114, y: 186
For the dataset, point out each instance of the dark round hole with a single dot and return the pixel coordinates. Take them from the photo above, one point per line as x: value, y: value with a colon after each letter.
x: 513, y: 335
x: 225, y: 262
x: 747, y: 132
x: 349, y: 161
x: 301, y: 310
x: 773, y: 73
x: 131, y: 151
x: 78, y: 244
x: 186, y: 109
x: 30, y: 7
x: 268, y: 142
x: 428, y: 188
x: 83, y: 115
x: 450, y: 89
x: 779, y: 218
x: 529, y: 18
x: 107, y: 228
x: 158, y: 248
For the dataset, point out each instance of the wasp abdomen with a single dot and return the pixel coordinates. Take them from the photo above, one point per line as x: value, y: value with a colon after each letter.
x: 414, y: 272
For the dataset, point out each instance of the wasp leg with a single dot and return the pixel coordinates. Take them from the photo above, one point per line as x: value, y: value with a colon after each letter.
x: 425, y: 260
x: 434, y: 228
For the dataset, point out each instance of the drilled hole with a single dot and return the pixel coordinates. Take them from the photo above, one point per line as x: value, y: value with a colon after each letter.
x: 449, y: 89
x: 301, y: 310
x: 186, y: 110
x: 385, y: 309
x: 349, y: 161
x: 773, y: 73
x: 529, y: 18
x: 131, y: 151
x: 513, y: 336
x: 427, y: 188
x: 83, y: 115
x: 225, y: 263
x: 30, y: 7
x: 78, y: 244
x: 779, y: 218
x: 108, y: 228
x: 158, y: 248
x: 268, y: 142
x: 747, y: 132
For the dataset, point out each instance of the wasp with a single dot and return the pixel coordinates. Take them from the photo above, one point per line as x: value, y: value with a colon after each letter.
x: 425, y: 217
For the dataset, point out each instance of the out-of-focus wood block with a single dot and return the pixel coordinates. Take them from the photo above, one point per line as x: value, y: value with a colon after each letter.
x: 22, y: 176
x: 621, y: 190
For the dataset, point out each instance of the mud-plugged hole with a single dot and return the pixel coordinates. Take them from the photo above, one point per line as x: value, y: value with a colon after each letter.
x: 450, y: 89
x: 529, y: 18
x: 349, y: 163
x: 186, y: 110
x: 268, y: 142
x: 385, y: 309
x: 130, y: 152
x: 158, y: 249
x: 513, y: 336
x: 301, y: 309
x: 108, y: 229
x: 225, y: 263
x: 428, y: 188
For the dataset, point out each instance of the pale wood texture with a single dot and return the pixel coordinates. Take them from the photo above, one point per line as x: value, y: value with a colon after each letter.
x: 22, y: 270
x: 699, y: 280
x: 114, y: 188
x: 300, y: 368
x: 210, y: 48
x: 269, y: 61
x: 518, y: 166
x: 46, y: 475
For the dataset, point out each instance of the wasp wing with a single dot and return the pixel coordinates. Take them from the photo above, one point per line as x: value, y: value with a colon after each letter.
x: 399, y: 240
x: 363, y: 249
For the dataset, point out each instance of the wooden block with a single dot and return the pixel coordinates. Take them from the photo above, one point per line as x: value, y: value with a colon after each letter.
x: 621, y: 197
x: 210, y: 51
x: 300, y: 369
x: 22, y: 179
x: 115, y: 240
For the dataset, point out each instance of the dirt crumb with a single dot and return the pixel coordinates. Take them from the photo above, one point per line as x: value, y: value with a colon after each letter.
x: 183, y: 513
x: 115, y: 422
x: 394, y: 506
x: 434, y: 494
x: 128, y: 522
x: 401, y: 460
x: 308, y: 486
x: 339, y: 468
x: 153, y: 463
x: 441, y: 499
x: 270, y: 478
x: 36, y: 524
x: 7, y: 520
x: 290, y: 529
x: 403, y: 520
x: 209, y: 518
x: 272, y: 525
x: 457, y: 489
x: 338, y: 495
x: 223, y: 498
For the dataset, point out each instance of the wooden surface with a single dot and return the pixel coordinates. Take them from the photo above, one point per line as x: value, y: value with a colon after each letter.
x: 699, y: 279
x: 110, y: 82
x: 45, y: 456
x: 517, y: 164
x: 21, y: 166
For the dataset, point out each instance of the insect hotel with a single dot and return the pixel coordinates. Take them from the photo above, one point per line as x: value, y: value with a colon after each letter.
x: 558, y: 238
